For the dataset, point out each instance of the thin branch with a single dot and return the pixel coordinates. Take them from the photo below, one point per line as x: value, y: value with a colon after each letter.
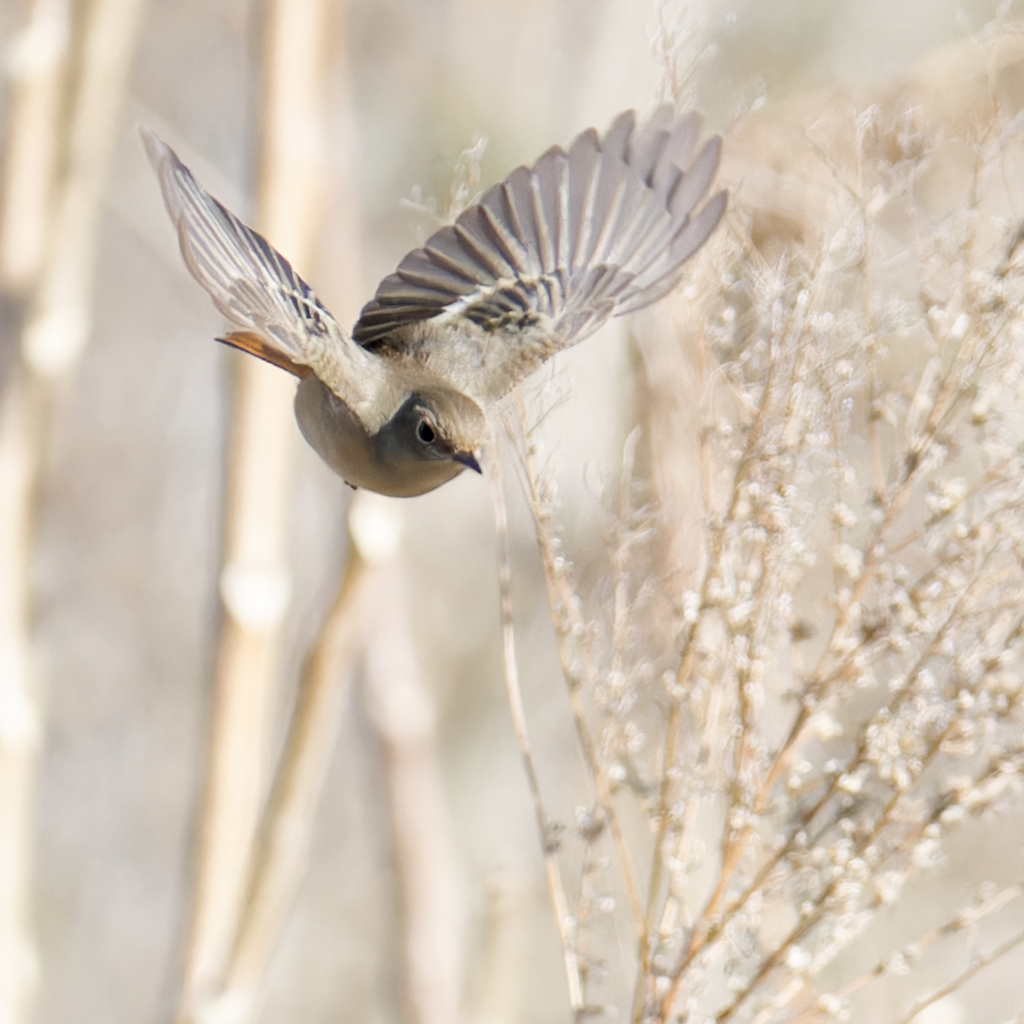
x: 568, y: 624
x: 513, y: 692
x: 977, y: 965
x: 932, y: 938
x: 703, y: 937
x: 682, y: 675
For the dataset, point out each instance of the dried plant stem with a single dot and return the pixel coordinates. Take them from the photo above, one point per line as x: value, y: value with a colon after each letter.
x: 286, y: 829
x: 556, y: 889
x: 37, y: 64
x: 822, y: 905
x: 675, y: 720
x: 808, y: 816
x: 33, y: 134
x: 958, y: 924
x: 402, y: 711
x: 61, y: 310
x: 19, y: 710
x: 977, y: 965
x: 255, y: 577
x: 823, y: 902
x: 712, y: 923
x: 569, y: 623
x: 947, y: 396
x: 47, y: 247
x: 832, y: 666
x: 828, y: 671
x: 254, y: 587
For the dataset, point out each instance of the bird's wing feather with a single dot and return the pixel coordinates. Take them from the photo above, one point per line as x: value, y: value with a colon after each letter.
x: 255, y: 287
x: 550, y: 253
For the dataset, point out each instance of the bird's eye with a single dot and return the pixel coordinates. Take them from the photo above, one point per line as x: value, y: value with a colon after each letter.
x: 425, y: 432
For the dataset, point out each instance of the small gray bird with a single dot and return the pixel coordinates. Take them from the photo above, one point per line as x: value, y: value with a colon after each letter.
x: 540, y: 262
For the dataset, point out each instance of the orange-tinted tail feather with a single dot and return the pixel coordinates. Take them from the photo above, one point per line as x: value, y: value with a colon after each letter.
x: 258, y: 346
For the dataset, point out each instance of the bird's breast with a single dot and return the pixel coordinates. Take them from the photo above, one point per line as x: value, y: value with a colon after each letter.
x: 334, y: 432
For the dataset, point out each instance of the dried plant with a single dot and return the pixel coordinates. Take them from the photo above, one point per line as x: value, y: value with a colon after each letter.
x: 782, y: 741
x: 48, y: 242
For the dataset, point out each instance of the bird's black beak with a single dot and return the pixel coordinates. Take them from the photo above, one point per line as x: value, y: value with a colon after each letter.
x: 468, y: 459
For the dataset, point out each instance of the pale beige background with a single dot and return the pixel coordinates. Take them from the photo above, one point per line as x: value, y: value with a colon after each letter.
x: 129, y: 530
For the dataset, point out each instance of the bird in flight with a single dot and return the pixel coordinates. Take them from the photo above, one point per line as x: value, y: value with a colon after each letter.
x: 536, y: 265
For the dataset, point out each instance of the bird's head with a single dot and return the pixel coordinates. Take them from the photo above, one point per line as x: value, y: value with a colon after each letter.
x: 434, y: 434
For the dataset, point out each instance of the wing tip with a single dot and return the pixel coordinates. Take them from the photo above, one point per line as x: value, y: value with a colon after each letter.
x: 682, y: 187
x: 154, y: 145
x: 174, y: 177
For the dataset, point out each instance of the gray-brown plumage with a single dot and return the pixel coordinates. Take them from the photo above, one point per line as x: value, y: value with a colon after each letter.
x: 539, y: 263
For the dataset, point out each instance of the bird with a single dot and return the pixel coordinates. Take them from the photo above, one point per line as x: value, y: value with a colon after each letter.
x: 543, y: 258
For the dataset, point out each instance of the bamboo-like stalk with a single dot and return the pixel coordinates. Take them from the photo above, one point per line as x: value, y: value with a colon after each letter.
x: 286, y: 830
x: 33, y: 132
x: 47, y: 246
x: 61, y: 312
x: 255, y: 576
x: 498, y: 978
x: 19, y: 710
x: 37, y: 67
x: 403, y: 713
x: 251, y: 865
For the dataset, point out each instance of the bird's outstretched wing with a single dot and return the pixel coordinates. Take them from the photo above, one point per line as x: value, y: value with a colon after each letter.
x: 255, y: 287
x: 550, y: 253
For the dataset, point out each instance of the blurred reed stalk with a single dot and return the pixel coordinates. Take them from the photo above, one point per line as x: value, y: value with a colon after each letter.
x: 37, y: 66
x: 286, y: 828
x: 254, y: 580
x: 20, y: 713
x: 47, y: 254
x: 402, y: 710
x: 252, y: 860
